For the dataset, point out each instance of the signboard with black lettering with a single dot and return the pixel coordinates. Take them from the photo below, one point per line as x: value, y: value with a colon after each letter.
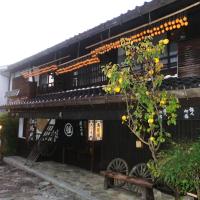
x: 72, y: 132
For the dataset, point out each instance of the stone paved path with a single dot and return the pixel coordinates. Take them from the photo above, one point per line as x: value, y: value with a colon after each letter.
x: 72, y: 183
x: 16, y: 184
x: 83, y: 184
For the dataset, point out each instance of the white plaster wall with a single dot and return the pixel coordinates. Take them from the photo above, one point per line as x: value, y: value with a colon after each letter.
x: 4, y: 84
x: 21, y: 127
x: 11, y: 80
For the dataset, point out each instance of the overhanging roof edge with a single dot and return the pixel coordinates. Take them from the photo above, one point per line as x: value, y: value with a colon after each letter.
x: 129, y: 15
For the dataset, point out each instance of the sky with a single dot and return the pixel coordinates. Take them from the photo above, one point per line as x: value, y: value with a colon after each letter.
x: 30, y: 26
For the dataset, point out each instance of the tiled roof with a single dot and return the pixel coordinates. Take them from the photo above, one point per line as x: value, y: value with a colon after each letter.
x: 83, y: 96
x: 94, y: 95
x: 181, y: 83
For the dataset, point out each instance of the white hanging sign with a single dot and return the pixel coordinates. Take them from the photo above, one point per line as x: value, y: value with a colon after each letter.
x: 95, y: 130
x: 90, y: 130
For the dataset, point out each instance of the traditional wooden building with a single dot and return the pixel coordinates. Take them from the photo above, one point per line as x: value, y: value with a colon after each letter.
x: 57, y: 94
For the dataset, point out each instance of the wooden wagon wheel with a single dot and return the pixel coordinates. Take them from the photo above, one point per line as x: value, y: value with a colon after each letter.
x: 118, y: 165
x: 140, y: 171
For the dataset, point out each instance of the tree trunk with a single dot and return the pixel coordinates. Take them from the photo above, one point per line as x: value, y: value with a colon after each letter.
x: 198, y: 193
x: 177, y: 196
x: 153, y: 153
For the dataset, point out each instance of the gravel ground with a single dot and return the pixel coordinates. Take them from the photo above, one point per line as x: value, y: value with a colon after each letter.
x: 16, y: 184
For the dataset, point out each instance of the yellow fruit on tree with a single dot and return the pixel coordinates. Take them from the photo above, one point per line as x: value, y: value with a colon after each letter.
x: 151, y: 72
x: 117, y: 89
x: 165, y: 41
x: 162, y: 102
x: 150, y: 120
x: 109, y: 75
x: 120, y: 80
x: 152, y: 138
x: 108, y: 89
x: 124, y: 118
x: 147, y: 93
x: 156, y: 60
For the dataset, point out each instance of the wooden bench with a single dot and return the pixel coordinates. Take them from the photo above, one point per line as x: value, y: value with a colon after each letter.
x: 147, y: 187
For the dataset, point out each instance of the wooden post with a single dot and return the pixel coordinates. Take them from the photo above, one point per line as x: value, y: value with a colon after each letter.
x: 92, y: 156
x: 1, y: 146
x: 177, y: 196
x: 108, y: 182
x: 147, y: 194
x: 63, y: 155
x: 1, y: 155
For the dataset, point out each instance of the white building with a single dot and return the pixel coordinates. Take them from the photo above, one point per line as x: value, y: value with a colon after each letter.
x: 4, y: 86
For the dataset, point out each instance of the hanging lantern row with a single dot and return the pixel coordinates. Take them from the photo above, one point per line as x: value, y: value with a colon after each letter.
x: 78, y: 65
x: 40, y: 71
x: 154, y: 31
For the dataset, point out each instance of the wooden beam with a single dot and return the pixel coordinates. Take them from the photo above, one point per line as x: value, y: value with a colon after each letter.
x: 71, y: 61
x: 134, y: 180
x: 59, y: 59
x: 53, y: 61
x: 191, y: 195
x: 144, y: 25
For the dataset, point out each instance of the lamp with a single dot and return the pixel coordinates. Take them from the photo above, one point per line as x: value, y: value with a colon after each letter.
x: 138, y: 144
x: 1, y: 147
x: 99, y: 129
x: 95, y: 130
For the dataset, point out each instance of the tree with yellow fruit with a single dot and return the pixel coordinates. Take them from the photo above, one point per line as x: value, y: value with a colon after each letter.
x: 141, y: 89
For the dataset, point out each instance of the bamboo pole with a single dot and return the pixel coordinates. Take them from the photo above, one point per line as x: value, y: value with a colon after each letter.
x: 71, y: 61
x: 59, y: 59
x: 144, y: 25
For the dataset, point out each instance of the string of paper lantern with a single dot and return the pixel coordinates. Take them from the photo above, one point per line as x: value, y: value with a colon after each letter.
x: 153, y: 31
x: 78, y: 65
x: 40, y: 71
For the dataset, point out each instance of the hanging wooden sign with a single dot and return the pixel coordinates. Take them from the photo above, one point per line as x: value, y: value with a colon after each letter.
x: 95, y: 130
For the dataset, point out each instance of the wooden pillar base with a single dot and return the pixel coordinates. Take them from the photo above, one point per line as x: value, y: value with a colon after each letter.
x: 147, y: 194
x: 108, y: 182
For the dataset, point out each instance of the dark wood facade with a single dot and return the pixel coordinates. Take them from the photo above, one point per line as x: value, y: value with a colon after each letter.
x: 77, y: 96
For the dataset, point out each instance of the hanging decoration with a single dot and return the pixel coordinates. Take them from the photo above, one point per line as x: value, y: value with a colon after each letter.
x: 159, y: 29
x: 78, y: 65
x: 39, y: 71
x: 153, y: 31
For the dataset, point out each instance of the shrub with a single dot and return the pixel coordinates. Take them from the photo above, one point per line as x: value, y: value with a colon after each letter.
x: 8, y: 133
x: 179, y: 167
